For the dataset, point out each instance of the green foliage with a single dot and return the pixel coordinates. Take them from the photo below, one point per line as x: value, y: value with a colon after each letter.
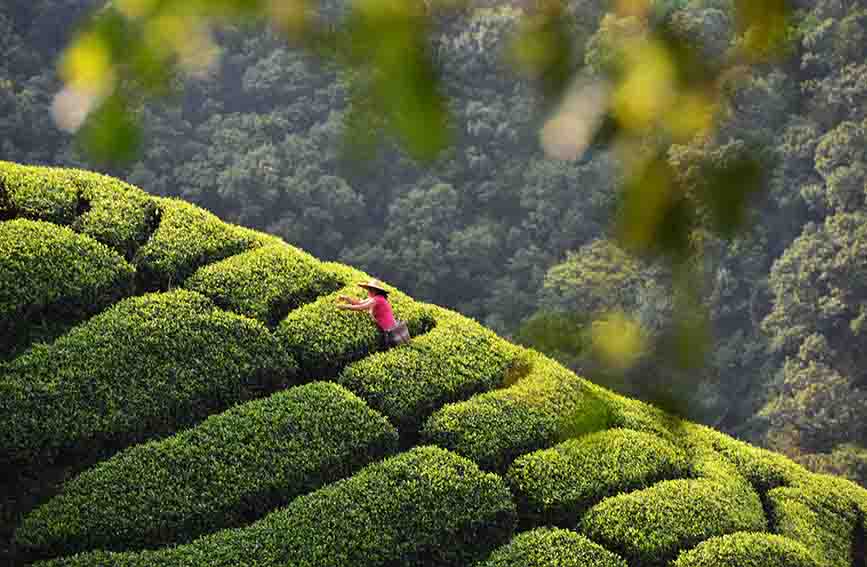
x: 324, y: 339
x: 145, y: 367
x: 547, y: 547
x: 265, y: 283
x: 748, y: 550
x: 824, y: 513
x: 537, y: 410
x: 456, y: 359
x: 233, y: 468
x: 651, y: 526
x: 189, y: 237
x: 106, y: 209
x: 423, y: 507
x: 50, y: 278
x: 555, y: 486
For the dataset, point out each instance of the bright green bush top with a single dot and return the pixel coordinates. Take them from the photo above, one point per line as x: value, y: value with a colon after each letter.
x: 557, y: 485
x: 423, y: 507
x: 148, y: 365
x: 532, y: 413
x: 823, y: 513
x: 231, y: 469
x: 265, y: 283
x: 650, y: 527
x: 547, y: 547
x: 324, y: 339
x: 189, y: 237
x: 745, y: 549
x: 107, y: 209
x: 50, y: 270
x: 455, y: 360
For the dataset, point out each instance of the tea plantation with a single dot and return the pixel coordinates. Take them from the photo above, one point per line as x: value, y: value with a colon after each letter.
x: 179, y: 391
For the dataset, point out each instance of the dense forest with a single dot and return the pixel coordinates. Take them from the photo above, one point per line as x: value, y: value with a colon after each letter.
x: 500, y: 231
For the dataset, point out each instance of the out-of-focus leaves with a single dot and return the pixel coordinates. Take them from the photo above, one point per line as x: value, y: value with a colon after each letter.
x: 618, y: 340
x: 112, y: 134
x: 728, y: 191
x: 764, y: 25
x: 543, y: 48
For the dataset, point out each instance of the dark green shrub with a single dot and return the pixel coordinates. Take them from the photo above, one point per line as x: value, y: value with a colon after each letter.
x: 188, y: 238
x: 746, y: 549
x: 546, y: 547
x: 226, y: 472
x: 48, y: 272
x: 425, y: 507
x: 535, y: 412
x: 324, y: 339
x: 265, y: 283
x: 650, y: 527
x: 455, y: 360
x: 107, y: 209
x: 146, y: 366
x: 557, y: 485
x: 824, y: 513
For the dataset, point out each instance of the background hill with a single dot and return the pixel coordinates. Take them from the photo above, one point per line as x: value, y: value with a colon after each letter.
x: 183, y: 391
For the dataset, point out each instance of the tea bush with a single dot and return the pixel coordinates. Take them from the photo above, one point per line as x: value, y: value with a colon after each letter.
x: 231, y: 469
x: 547, y: 547
x: 557, y: 485
x: 149, y: 365
x: 188, y: 238
x: 265, y: 283
x: 747, y: 550
x: 50, y: 272
x: 423, y: 507
x: 455, y: 360
x: 650, y: 527
x: 496, y: 427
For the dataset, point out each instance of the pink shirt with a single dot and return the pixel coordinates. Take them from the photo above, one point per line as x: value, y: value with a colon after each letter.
x: 382, y: 313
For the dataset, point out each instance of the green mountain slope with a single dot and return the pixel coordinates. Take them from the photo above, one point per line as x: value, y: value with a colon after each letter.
x: 176, y: 390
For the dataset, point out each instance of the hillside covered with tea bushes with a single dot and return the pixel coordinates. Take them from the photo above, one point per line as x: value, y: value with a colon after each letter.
x: 176, y: 390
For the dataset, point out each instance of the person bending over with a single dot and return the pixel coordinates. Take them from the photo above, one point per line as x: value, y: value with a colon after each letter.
x: 393, y: 332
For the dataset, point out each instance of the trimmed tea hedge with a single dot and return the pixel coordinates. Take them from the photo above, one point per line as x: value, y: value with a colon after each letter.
x: 494, y: 428
x: 455, y: 360
x: 746, y: 549
x: 324, y: 339
x: 48, y: 271
x: 146, y: 366
x: 226, y: 472
x: 265, y: 283
x: 423, y: 507
x: 546, y: 547
x: 823, y: 514
x: 106, y: 209
x: 650, y: 527
x: 39, y: 193
x: 189, y: 237
x: 557, y: 485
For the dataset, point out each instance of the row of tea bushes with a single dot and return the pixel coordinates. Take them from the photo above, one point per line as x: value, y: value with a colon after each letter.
x: 650, y: 527
x: 557, y: 485
x: 230, y: 470
x: 746, y: 549
x: 455, y: 360
x: 423, y: 507
x: 145, y: 367
x: 265, y: 283
x: 549, y: 547
x: 494, y: 428
x: 324, y: 338
x: 49, y: 271
x: 106, y: 209
x: 188, y: 238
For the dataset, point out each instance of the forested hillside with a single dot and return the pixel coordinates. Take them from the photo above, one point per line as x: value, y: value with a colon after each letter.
x: 501, y: 232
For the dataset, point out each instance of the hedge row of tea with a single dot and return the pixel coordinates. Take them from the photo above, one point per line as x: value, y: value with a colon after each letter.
x: 202, y: 367
x: 423, y: 507
x: 230, y: 470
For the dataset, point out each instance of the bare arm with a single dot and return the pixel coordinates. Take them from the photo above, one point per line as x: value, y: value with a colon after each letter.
x: 356, y: 305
